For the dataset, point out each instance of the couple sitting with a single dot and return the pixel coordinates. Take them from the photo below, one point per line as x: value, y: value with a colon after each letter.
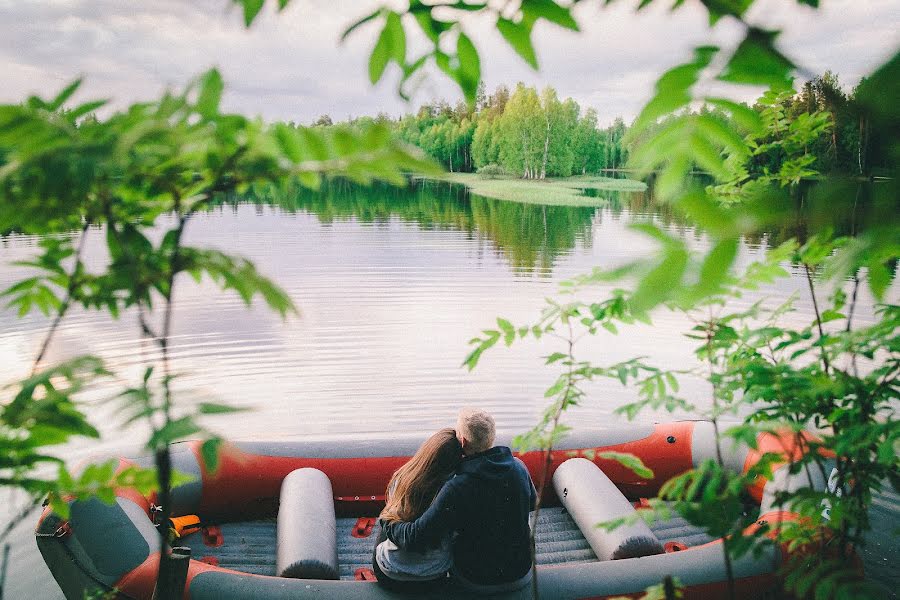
x: 461, y: 506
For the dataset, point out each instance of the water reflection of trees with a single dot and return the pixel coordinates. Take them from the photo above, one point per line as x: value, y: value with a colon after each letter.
x: 530, y: 236
x: 845, y: 207
x: 637, y: 205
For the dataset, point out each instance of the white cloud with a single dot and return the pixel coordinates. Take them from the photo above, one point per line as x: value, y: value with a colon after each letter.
x: 290, y: 66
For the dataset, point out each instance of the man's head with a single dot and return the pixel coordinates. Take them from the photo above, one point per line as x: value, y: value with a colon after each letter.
x: 475, y: 430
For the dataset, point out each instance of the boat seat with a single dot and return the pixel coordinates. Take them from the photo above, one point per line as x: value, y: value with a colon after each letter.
x: 306, y: 527
x: 591, y: 498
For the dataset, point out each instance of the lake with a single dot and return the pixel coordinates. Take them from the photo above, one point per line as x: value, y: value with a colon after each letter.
x: 390, y: 283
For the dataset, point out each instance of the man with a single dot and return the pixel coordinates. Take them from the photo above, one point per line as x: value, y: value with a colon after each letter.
x: 486, y: 505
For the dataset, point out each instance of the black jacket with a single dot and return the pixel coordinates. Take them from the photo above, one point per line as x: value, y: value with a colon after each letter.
x: 486, y: 504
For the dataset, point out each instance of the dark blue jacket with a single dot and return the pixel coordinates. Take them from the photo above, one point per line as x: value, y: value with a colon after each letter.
x: 486, y: 504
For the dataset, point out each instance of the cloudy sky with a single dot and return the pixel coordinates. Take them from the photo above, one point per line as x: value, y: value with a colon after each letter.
x: 291, y: 66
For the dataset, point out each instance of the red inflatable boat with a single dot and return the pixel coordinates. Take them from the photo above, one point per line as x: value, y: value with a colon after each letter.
x: 239, y: 551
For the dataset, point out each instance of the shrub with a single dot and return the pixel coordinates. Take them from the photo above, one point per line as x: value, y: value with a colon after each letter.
x: 492, y: 171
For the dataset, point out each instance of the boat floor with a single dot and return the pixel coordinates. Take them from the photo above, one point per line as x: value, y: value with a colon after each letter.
x: 250, y: 546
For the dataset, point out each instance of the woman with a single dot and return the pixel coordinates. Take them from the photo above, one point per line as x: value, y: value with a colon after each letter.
x: 410, y: 492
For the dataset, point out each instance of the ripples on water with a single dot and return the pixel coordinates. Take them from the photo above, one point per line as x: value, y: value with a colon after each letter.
x: 390, y: 284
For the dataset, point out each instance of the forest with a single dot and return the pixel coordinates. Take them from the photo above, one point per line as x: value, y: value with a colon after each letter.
x: 843, y: 140
x: 534, y: 134
x: 520, y: 132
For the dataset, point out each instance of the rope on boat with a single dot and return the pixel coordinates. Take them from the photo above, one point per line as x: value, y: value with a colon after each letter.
x: 102, y: 585
x: 62, y: 531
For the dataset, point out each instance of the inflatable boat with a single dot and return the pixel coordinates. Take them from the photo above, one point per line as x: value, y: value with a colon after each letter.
x: 281, y: 520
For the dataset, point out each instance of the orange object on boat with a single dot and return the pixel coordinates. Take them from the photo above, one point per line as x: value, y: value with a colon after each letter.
x: 184, y: 525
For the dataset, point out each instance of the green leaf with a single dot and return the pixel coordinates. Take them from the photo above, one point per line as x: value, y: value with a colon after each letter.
x: 745, y: 434
x: 756, y: 61
x: 509, y: 332
x: 44, y: 435
x: 673, y: 89
x: 519, y: 37
x: 557, y: 387
x: 672, y: 382
x: 490, y: 339
x: 288, y: 141
x: 442, y: 60
x: 469, y: 70
x: 59, y: 507
x: 380, y: 56
x: 237, y: 274
x: 661, y: 281
x: 212, y: 408
x: 556, y: 356
x: 551, y: 11
x: 459, y: 5
x: 180, y: 478
x: 85, y: 109
x: 722, y: 134
x: 209, y: 452
x: 878, y: 93
x: 744, y: 116
x: 172, y: 431
x: 707, y: 156
x: 64, y: 95
x: 879, y: 278
x: 391, y: 45
x: 715, y: 268
x: 211, y: 86
x: 251, y: 10
x: 397, y: 38
x: 629, y: 461
x: 431, y: 26
x: 369, y: 17
x: 832, y: 315
x: 720, y: 8
x: 887, y: 451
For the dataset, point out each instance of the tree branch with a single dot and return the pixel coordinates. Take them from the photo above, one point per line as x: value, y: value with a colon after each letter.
x: 67, y: 299
x: 812, y: 293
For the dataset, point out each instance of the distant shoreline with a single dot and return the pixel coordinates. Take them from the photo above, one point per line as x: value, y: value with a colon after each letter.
x: 557, y: 191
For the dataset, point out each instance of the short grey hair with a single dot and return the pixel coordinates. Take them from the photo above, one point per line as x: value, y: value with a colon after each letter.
x: 477, y: 427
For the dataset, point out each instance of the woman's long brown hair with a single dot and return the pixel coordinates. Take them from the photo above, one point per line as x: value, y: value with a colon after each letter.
x: 414, y: 485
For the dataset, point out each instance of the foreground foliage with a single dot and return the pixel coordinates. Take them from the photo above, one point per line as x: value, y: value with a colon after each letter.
x: 149, y: 167
x: 786, y: 377
x: 157, y: 163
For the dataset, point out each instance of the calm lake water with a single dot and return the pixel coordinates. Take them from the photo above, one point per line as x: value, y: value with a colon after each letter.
x: 391, y: 284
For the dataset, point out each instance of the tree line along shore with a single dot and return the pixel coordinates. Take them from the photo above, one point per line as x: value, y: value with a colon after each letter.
x: 513, y: 136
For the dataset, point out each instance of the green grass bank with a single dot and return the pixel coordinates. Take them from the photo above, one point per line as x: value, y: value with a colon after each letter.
x: 560, y: 192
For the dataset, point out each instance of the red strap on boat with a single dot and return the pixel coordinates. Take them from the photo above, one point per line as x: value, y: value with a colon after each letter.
x: 675, y: 546
x: 364, y: 574
x: 212, y: 536
x: 363, y: 527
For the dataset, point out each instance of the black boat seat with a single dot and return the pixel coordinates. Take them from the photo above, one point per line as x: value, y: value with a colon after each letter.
x: 591, y: 498
x: 306, y: 527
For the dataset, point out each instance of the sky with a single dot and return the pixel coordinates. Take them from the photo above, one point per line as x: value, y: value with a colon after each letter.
x: 291, y: 66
